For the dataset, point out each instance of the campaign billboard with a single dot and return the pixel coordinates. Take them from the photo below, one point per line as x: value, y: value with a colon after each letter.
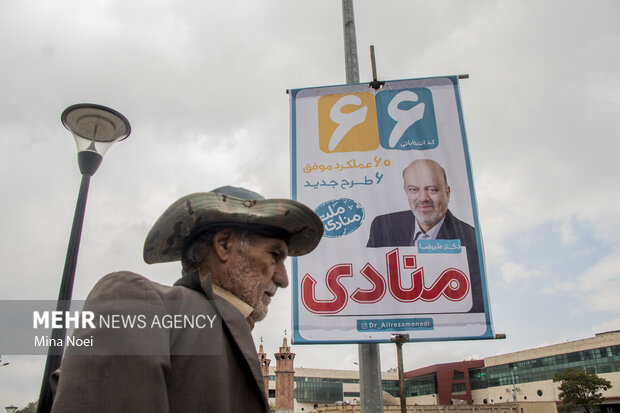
x: 388, y: 172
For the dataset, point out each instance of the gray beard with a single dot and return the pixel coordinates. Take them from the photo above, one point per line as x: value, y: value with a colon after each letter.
x: 244, y: 273
x: 430, y: 221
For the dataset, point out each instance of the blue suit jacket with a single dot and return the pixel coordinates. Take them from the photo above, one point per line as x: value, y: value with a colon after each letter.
x: 396, y: 230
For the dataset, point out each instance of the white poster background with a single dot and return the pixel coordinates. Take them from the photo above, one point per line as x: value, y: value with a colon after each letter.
x: 348, y: 189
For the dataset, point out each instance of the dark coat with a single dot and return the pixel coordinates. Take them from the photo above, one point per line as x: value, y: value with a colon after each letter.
x: 396, y: 230
x: 228, y: 382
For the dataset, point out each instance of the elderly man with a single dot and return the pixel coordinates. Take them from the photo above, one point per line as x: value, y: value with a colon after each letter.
x: 428, y: 193
x: 232, y: 244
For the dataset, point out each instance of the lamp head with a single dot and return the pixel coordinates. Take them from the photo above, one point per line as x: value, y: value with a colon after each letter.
x: 11, y: 409
x: 95, y: 128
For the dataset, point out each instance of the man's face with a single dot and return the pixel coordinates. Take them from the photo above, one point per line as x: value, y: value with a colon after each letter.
x: 427, y: 192
x: 256, y: 271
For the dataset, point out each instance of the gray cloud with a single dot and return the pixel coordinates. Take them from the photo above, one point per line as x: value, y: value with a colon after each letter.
x: 203, y: 85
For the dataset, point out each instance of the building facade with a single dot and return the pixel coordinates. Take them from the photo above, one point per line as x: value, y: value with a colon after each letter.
x: 525, y: 376
x: 529, y: 373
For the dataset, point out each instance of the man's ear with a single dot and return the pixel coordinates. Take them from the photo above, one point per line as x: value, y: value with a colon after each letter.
x: 223, y: 241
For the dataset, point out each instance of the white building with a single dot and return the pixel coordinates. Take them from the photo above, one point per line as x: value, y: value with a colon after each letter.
x: 487, y: 381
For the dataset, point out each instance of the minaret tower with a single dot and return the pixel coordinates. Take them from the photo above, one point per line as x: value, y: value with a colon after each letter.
x: 285, y: 379
x: 264, y: 366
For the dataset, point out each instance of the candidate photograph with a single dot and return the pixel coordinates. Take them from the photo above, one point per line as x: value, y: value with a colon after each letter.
x: 425, y: 185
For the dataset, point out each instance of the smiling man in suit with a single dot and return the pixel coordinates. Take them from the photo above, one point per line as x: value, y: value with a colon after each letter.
x: 426, y: 186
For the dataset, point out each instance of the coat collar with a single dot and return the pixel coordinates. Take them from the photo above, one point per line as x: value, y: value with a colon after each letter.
x: 233, y: 321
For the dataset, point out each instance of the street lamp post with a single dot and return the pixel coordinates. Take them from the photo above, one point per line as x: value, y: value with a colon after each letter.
x: 95, y: 128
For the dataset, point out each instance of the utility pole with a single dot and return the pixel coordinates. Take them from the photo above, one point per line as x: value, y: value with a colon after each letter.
x: 399, y: 339
x: 371, y: 390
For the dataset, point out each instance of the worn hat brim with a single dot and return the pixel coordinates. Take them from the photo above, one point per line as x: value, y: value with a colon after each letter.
x: 194, y: 213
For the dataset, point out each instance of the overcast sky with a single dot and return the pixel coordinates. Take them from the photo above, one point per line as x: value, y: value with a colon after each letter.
x: 204, y: 85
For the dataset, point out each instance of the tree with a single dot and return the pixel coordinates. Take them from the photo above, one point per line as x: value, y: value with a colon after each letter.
x: 580, y: 388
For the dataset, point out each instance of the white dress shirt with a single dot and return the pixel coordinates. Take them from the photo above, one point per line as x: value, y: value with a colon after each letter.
x: 418, y: 233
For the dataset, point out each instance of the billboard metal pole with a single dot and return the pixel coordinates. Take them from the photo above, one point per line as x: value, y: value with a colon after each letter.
x: 369, y: 361
x: 350, y: 42
x: 371, y: 391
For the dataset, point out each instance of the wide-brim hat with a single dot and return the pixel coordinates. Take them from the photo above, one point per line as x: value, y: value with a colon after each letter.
x: 286, y: 219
